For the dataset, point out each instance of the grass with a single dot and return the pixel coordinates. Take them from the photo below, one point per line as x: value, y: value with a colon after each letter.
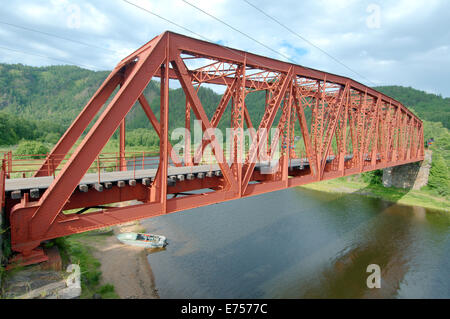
x: 72, y: 250
x: 424, y: 197
x: 113, y: 146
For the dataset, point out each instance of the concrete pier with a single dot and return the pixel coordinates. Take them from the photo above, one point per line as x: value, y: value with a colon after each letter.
x: 411, y: 176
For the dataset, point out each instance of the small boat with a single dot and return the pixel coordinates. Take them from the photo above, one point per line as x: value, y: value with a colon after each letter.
x: 142, y: 240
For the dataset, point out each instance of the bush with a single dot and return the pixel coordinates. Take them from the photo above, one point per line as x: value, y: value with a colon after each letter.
x: 74, y: 251
x: 373, y: 177
x: 439, y: 176
x: 142, y: 137
x: 31, y: 147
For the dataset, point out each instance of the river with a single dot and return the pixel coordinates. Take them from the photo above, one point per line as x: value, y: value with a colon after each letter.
x: 299, y: 243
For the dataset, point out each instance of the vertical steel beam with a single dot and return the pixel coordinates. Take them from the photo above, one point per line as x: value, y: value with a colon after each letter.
x: 395, y: 134
x: 164, y: 125
x: 353, y: 120
x: 122, y: 159
x: 375, y: 145
x: 293, y: 121
x: 154, y: 121
x: 360, y: 131
x: 237, y: 128
x: 286, y: 136
x: 390, y: 132
x: 187, y: 138
x: 343, y: 148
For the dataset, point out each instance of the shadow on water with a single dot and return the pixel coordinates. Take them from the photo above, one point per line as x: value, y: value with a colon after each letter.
x: 346, y: 275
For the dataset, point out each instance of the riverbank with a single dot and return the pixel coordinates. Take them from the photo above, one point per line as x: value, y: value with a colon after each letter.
x: 109, y: 269
x: 123, y: 267
x: 349, y: 185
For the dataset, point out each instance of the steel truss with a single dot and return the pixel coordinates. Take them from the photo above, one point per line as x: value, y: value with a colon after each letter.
x: 350, y: 129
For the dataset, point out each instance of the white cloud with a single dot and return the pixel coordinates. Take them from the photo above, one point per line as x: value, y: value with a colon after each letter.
x: 409, y: 48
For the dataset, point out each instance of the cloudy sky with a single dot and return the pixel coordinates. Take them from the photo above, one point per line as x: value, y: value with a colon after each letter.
x: 402, y: 42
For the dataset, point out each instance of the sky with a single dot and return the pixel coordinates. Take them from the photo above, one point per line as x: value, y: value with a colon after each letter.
x: 402, y: 42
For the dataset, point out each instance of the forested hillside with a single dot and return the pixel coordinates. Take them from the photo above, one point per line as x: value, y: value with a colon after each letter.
x: 41, y: 102
x: 47, y: 93
x: 429, y: 107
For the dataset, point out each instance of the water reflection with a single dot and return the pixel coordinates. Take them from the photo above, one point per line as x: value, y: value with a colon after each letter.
x: 384, y: 243
x: 298, y: 243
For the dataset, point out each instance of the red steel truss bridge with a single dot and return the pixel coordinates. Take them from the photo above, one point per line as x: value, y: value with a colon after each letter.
x: 343, y: 128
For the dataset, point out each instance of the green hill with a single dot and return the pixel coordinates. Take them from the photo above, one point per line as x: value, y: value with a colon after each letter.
x: 41, y: 102
x: 429, y: 107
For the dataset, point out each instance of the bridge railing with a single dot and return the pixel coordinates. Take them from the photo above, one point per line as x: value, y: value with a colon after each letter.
x: 25, y: 165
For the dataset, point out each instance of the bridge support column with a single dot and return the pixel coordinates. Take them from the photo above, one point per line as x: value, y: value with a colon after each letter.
x: 413, y: 175
x: 123, y: 163
x: 34, y: 256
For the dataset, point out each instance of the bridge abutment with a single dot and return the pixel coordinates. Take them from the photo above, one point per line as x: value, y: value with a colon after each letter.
x: 412, y: 176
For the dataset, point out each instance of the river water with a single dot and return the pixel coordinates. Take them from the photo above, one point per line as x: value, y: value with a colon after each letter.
x: 299, y: 243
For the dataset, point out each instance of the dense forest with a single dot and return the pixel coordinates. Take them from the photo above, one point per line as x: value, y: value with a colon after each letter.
x: 429, y: 107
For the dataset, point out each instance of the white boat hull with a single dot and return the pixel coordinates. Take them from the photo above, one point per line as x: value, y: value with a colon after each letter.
x: 142, y: 240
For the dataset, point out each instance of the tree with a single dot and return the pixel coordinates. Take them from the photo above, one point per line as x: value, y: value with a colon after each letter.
x: 31, y: 147
x: 438, y: 179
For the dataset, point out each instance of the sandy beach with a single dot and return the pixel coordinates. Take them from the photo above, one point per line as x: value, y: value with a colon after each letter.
x: 125, y: 267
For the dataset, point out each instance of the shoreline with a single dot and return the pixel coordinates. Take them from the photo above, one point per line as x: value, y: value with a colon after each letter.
x: 125, y: 267
x: 406, y: 197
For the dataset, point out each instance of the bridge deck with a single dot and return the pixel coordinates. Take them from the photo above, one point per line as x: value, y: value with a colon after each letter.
x: 16, y: 187
x: 25, y: 184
